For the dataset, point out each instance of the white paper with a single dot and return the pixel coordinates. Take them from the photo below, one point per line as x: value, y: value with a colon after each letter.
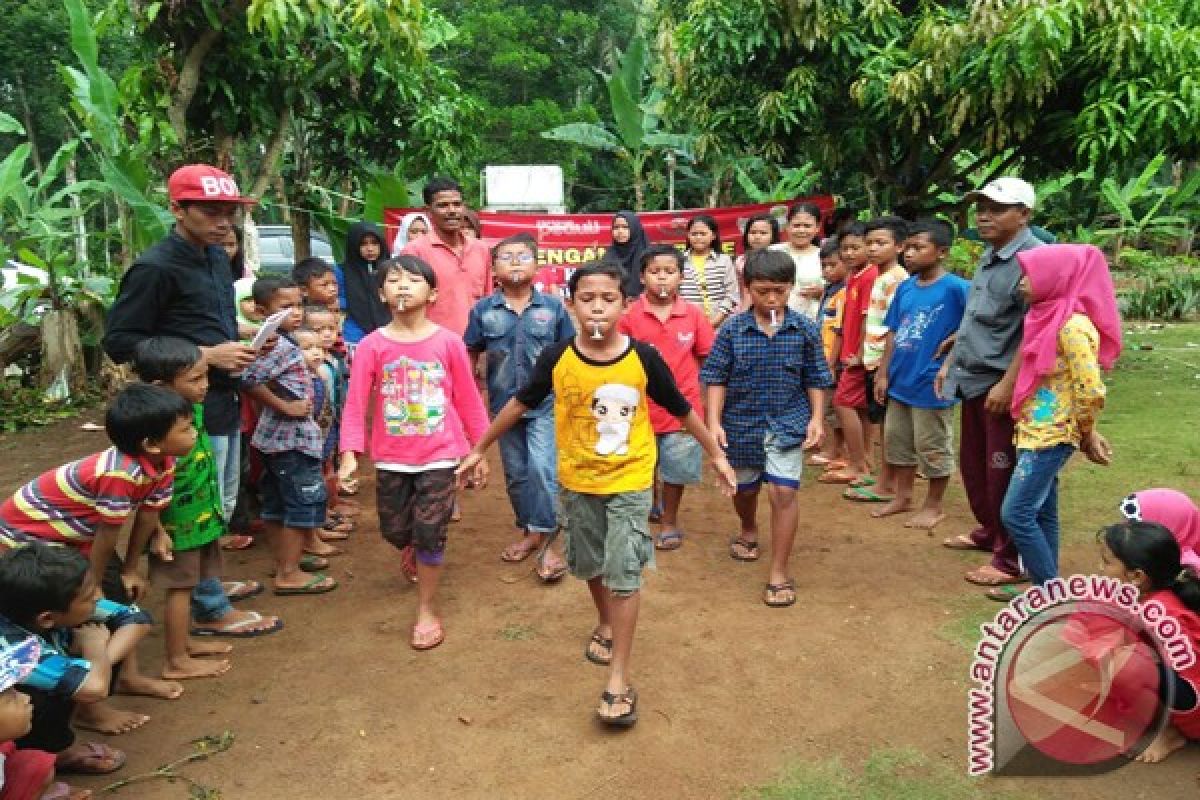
x: 269, y: 327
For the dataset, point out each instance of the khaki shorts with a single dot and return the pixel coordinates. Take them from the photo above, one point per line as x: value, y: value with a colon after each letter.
x: 920, y: 437
x: 608, y: 536
x: 188, y: 568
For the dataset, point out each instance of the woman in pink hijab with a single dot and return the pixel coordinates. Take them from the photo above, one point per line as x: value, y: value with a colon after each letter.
x: 1072, y: 330
x: 1175, y: 511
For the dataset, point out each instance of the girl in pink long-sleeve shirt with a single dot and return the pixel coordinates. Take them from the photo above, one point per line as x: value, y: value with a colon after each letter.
x: 427, y: 416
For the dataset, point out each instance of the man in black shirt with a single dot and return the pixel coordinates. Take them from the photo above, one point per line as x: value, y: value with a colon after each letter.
x: 182, y: 286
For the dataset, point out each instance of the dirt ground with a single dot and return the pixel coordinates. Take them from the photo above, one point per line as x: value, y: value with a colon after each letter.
x: 732, y: 692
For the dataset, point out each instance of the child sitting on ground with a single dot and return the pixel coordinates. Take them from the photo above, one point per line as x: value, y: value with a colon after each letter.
x: 84, y: 504
x: 49, y: 592
x: 510, y: 328
x: 601, y: 380
x: 829, y: 317
x: 192, y: 524
x: 293, y: 489
x: 766, y: 379
x: 683, y: 337
x: 26, y: 774
x: 416, y: 379
x: 918, y: 431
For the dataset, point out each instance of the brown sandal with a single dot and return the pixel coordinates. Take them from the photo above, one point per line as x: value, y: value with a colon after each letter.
x: 775, y: 589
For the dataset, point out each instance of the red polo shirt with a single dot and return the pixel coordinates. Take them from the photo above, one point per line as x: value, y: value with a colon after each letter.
x: 684, y: 340
x: 854, y: 310
x: 461, y: 279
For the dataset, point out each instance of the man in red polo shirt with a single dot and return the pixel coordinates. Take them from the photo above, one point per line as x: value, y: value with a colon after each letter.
x: 684, y: 337
x: 462, y: 264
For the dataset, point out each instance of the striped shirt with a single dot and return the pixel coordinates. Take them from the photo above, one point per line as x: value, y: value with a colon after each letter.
x: 67, y: 505
x: 713, y: 287
x: 284, y: 369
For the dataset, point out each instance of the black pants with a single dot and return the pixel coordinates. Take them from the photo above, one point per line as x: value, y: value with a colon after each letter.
x: 51, y: 729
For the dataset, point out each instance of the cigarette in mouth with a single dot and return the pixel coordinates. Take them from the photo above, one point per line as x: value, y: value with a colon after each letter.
x: 400, y: 303
x: 774, y: 319
x: 596, y: 334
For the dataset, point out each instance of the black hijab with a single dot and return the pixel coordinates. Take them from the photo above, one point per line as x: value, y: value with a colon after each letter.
x: 362, y: 295
x: 629, y: 254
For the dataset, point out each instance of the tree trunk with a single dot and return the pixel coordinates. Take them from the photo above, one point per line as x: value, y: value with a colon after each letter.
x: 17, y: 340
x: 63, y: 368
x: 269, y: 167
x: 301, y: 230
x: 29, y: 131
x: 189, y: 81
x: 79, y: 223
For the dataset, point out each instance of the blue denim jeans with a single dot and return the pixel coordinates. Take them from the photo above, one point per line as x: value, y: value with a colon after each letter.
x: 531, y: 473
x: 1030, y: 509
x: 208, y: 598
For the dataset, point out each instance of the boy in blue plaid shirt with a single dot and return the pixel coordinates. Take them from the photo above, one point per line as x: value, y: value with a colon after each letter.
x: 293, y: 487
x: 765, y: 404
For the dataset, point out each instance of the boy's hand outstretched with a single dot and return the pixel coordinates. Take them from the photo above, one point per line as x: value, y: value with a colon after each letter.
x: 726, y: 477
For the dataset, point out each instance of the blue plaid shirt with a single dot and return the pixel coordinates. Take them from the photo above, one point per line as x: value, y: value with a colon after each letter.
x: 513, y: 342
x: 766, y: 380
x: 284, y: 368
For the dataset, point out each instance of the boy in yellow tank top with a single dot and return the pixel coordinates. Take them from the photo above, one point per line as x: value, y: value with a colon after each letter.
x: 606, y: 452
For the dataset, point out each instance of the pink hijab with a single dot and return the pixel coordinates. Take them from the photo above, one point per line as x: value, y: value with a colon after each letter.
x: 1175, y: 511
x: 1066, y: 279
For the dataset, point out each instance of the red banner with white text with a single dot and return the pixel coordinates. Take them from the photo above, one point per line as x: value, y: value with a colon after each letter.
x: 569, y: 240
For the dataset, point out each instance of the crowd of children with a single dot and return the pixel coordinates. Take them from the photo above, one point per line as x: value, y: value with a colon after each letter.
x: 847, y: 354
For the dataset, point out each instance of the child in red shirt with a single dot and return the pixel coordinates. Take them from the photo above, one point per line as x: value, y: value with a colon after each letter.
x: 850, y: 397
x: 683, y: 336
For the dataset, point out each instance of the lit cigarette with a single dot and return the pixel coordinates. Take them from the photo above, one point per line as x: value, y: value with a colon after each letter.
x: 400, y: 301
x: 774, y: 319
x: 662, y: 292
x: 596, y: 334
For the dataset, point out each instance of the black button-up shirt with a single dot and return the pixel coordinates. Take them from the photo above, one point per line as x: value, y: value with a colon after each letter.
x: 177, y: 289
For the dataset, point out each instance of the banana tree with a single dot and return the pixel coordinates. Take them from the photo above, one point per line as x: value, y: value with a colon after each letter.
x: 635, y: 134
x: 1146, y: 210
x: 38, y: 211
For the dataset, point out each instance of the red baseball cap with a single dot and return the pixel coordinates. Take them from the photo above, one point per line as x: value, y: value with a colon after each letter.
x: 204, y: 183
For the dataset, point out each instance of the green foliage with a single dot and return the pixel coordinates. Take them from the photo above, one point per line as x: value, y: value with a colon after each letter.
x: 1147, y: 211
x: 887, y: 96
x: 23, y: 406
x: 791, y: 181
x: 1158, y: 287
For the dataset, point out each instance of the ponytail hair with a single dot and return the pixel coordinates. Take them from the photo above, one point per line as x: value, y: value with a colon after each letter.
x: 1151, y: 548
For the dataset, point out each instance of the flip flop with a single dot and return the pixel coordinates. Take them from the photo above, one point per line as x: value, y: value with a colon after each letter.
x: 237, y: 630
x: 775, y: 588
x: 553, y: 576
x: 237, y: 541
x: 313, y: 563
x: 751, y: 549
x: 836, y: 476
x: 241, y: 590
x: 423, y: 631
x: 625, y: 720
x: 962, y: 542
x: 990, y: 576
x: 315, y: 585
x: 861, y: 481
x: 88, y: 762
x: 517, y: 552
x: 605, y: 643
x: 862, y: 494
x: 1003, y: 594
x: 669, y: 540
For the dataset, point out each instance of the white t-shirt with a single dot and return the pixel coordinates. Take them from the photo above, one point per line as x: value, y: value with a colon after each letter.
x: 808, y: 276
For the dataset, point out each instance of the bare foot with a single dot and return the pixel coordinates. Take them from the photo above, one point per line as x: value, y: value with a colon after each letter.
x: 187, y: 667
x: 1164, y: 744
x: 103, y: 718
x: 897, y: 505
x: 198, y: 648
x: 926, y: 519
x: 146, y: 686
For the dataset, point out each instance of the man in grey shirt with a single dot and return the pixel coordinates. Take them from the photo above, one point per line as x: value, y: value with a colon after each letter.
x: 982, y: 369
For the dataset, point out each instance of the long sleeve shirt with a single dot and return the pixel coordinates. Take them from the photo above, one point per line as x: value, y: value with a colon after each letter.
x: 1069, y: 399
x: 425, y: 405
x: 178, y: 289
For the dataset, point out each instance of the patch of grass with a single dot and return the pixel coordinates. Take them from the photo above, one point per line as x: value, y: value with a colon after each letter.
x: 887, y: 775
x: 966, y: 613
x: 517, y: 632
x: 1151, y: 418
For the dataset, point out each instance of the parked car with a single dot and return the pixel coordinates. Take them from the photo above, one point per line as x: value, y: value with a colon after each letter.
x: 277, y: 254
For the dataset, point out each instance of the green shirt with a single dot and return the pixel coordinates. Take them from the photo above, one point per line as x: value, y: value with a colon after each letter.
x: 194, y: 517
